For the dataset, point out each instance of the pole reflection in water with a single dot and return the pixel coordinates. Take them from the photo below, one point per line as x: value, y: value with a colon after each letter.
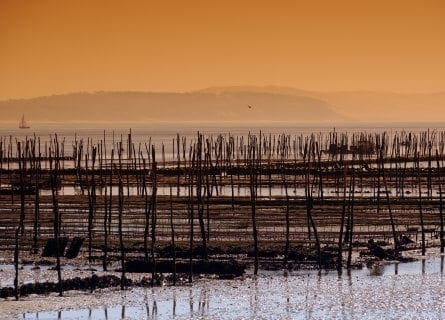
x: 203, y: 301
x: 147, y: 306
x: 393, y: 292
x: 307, y: 298
x: 349, y: 278
x: 287, y: 291
x: 106, y: 312
x: 174, y: 304
x: 254, y: 298
x: 377, y: 269
x: 340, y: 292
x: 299, y: 295
x: 147, y: 309
x: 123, y: 311
x: 350, y: 295
x: 441, y: 264
x: 154, y: 311
x: 441, y: 269
x: 191, y: 301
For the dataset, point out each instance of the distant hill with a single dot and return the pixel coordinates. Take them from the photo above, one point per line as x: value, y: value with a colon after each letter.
x: 193, y: 106
x: 230, y: 104
x: 365, y: 106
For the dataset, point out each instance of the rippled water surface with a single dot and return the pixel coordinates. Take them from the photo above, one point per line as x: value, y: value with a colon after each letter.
x: 394, y: 291
x: 388, y: 291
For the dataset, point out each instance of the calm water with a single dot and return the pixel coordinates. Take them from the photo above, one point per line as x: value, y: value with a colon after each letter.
x: 396, y: 291
x: 166, y: 132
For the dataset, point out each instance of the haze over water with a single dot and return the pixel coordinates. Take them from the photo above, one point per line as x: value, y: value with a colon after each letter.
x: 165, y: 132
x: 91, y: 70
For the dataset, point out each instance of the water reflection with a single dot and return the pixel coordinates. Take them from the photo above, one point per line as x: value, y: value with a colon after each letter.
x: 384, y: 291
x: 350, y: 306
x: 441, y: 269
x: 105, y: 312
x: 377, y: 269
x: 174, y: 304
x: 191, y: 301
x: 154, y: 310
x: 203, y: 301
x: 254, y: 298
x: 287, y: 293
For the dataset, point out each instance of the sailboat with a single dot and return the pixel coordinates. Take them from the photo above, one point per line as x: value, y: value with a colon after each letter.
x: 23, y: 124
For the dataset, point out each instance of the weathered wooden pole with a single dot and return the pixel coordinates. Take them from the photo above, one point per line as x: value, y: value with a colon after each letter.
x: 342, y: 221
x: 439, y: 182
x: 147, y: 211
x: 153, y: 213
x: 191, y: 214
x: 253, y: 182
x: 37, y: 170
x: 91, y: 203
x: 16, y: 263
x: 22, y: 169
x: 309, y: 207
x: 120, y: 213
x: 172, y: 228
x: 422, y: 225
x: 351, y: 220
x: 55, y: 200
x: 388, y: 201
x: 199, y: 197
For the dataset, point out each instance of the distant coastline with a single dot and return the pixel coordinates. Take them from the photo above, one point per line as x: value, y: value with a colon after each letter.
x: 269, y: 104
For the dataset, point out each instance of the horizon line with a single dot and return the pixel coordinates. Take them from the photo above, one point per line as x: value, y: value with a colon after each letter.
x: 203, y: 89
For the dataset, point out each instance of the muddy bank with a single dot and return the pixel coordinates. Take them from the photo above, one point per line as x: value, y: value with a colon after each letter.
x: 90, y: 284
x: 390, y: 290
x: 225, y: 269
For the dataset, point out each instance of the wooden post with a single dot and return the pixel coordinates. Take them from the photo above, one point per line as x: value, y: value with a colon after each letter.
x: 441, y: 235
x: 253, y: 177
x: 391, y: 218
x: 147, y: 211
x: 422, y: 226
x: 351, y: 220
x: 16, y: 263
x: 120, y: 213
x: 191, y: 217
x: 342, y: 222
x: 199, y: 196
x: 172, y: 237
x: 153, y: 214
x: 37, y: 170
x: 54, y: 193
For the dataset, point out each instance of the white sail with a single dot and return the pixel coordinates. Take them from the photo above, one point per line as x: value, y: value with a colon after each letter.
x: 23, y: 124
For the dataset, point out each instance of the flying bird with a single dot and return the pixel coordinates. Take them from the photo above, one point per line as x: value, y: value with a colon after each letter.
x: 249, y: 106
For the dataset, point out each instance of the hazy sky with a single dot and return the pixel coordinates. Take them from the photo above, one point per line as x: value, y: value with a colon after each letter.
x: 49, y: 47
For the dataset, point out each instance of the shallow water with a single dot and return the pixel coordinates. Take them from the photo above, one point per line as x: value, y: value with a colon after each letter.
x: 396, y: 291
x: 392, y: 291
x: 165, y: 132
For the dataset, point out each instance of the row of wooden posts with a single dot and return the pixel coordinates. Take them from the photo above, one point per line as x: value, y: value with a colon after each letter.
x: 207, y: 160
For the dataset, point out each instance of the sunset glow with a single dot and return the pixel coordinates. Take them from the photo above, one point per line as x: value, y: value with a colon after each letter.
x: 51, y: 47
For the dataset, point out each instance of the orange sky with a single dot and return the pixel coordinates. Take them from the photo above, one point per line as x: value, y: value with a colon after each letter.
x: 51, y: 47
